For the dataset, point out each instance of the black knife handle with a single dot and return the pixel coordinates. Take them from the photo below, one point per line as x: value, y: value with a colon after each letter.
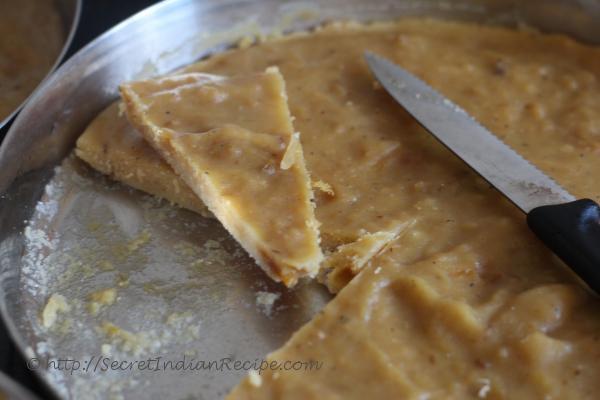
x: 572, y: 231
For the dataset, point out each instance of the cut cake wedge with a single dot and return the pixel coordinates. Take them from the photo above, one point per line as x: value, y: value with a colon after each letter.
x: 232, y: 141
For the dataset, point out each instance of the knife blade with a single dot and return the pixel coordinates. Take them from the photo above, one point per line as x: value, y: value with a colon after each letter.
x: 570, y: 227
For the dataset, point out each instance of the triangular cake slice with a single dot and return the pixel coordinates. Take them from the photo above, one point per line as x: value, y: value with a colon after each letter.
x: 232, y: 142
x: 112, y: 146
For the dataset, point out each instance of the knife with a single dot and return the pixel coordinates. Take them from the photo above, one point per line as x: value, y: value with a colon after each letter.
x: 569, y: 227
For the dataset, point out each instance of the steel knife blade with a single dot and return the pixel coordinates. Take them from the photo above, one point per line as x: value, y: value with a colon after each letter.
x: 570, y: 227
x: 515, y: 177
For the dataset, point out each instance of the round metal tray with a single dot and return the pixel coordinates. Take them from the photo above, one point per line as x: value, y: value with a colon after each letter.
x: 70, y: 11
x: 184, y: 288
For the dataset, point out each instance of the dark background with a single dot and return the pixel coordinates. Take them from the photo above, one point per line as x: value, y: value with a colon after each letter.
x: 97, y: 16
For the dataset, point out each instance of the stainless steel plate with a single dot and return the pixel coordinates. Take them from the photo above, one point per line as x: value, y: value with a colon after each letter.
x: 183, y: 287
x: 70, y: 11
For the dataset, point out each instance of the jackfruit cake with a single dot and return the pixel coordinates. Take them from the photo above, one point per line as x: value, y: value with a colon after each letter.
x: 443, y: 292
x: 232, y: 141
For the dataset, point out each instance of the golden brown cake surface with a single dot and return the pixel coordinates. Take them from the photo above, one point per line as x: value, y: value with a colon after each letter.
x: 465, y: 303
x: 232, y: 141
x: 449, y: 326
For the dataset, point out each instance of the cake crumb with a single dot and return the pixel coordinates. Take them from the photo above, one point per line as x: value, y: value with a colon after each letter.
x: 122, y: 280
x: 129, y: 342
x: 56, y: 303
x: 266, y: 300
x: 106, y: 349
x: 100, y: 298
x: 138, y: 242
x: 254, y: 378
